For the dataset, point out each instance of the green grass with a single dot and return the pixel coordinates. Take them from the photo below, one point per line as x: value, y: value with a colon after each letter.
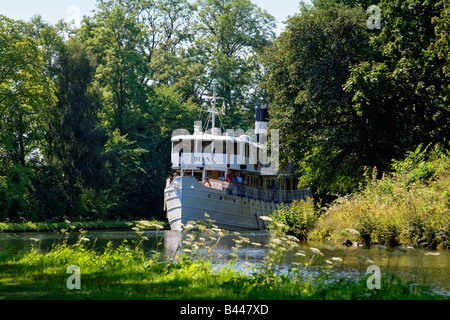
x: 127, y: 272
x: 79, y: 225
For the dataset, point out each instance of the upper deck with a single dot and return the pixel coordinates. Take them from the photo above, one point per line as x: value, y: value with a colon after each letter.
x: 203, y: 151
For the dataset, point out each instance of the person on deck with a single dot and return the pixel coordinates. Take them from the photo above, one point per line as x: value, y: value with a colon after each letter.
x: 229, y: 177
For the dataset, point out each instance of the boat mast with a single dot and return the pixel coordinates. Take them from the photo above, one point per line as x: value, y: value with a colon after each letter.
x: 213, y: 110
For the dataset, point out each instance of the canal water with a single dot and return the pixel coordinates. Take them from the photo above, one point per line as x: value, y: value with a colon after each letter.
x: 414, y: 265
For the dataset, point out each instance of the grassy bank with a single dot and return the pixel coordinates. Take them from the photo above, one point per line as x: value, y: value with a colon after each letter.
x: 410, y: 207
x: 80, y: 225
x: 126, y: 272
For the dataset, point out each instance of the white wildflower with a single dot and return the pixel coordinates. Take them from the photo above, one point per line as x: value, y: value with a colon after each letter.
x: 368, y: 260
x: 336, y: 259
x: 316, y: 251
x: 292, y: 238
x: 432, y: 253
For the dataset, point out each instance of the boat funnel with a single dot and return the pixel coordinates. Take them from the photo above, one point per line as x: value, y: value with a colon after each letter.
x: 261, y: 124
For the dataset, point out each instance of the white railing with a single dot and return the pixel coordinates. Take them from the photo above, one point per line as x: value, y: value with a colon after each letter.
x: 239, y: 189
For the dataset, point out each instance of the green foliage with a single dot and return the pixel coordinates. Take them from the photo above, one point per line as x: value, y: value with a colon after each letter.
x: 86, y: 114
x: 296, y: 219
x: 230, y: 35
x: 402, y: 91
x: 395, y: 84
x: 308, y: 64
x: 409, y: 207
x: 50, y: 226
x: 16, y: 192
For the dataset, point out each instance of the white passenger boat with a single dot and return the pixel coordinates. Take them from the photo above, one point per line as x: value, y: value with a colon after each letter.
x: 231, y: 176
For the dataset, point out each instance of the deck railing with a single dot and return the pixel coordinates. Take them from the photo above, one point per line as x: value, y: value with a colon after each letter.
x: 278, y: 196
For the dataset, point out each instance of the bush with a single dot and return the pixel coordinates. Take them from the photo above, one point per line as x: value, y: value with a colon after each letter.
x: 297, y: 218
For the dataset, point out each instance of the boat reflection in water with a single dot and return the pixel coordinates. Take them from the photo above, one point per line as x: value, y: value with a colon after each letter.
x: 223, y: 248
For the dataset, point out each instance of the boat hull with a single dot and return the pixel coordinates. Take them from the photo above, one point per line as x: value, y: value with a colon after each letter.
x: 187, y: 200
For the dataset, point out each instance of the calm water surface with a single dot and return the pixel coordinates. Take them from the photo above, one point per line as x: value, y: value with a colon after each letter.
x: 415, y: 265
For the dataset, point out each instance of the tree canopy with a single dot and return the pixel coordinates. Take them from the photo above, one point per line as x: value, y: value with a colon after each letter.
x: 349, y: 97
x: 86, y: 114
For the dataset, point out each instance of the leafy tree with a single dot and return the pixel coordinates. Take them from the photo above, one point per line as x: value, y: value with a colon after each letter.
x: 116, y: 39
x: 441, y: 47
x: 307, y: 68
x: 167, y: 27
x: 347, y: 97
x: 402, y: 92
x: 26, y: 95
x: 131, y: 41
x: 230, y: 35
x: 78, y: 145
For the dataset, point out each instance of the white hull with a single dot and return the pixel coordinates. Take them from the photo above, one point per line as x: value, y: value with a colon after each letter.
x: 187, y: 200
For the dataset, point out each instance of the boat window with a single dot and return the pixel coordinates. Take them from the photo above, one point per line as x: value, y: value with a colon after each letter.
x: 219, y: 147
x: 206, y: 146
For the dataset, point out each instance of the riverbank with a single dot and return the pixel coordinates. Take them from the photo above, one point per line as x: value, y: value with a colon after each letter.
x: 127, y: 272
x: 50, y: 226
x: 409, y: 207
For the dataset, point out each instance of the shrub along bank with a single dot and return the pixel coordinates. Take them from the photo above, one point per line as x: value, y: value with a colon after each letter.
x: 50, y: 226
x: 409, y: 207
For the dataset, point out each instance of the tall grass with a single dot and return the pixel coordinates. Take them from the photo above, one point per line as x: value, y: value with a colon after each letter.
x: 409, y: 207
